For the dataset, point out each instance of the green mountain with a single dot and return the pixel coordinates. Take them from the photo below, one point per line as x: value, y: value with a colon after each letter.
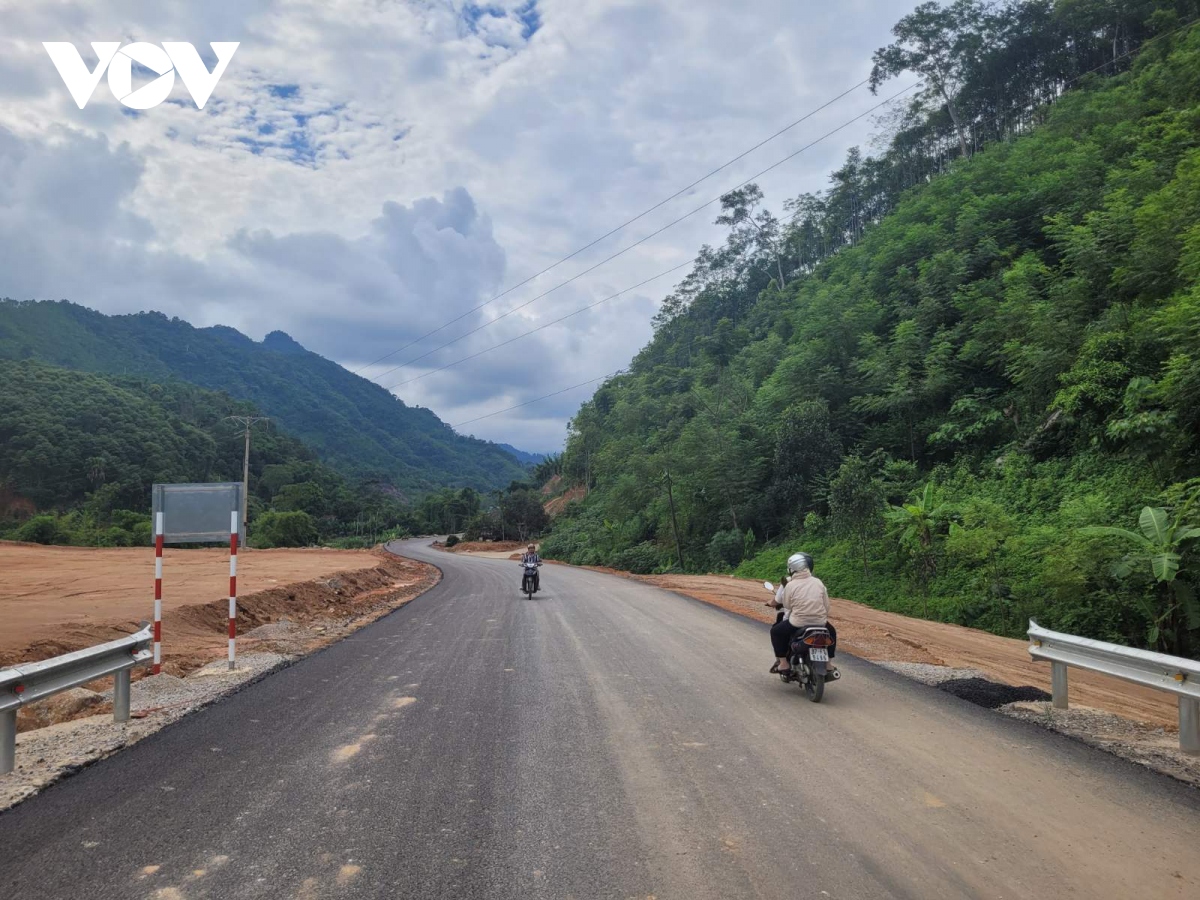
x: 352, y: 424
x: 522, y: 456
x: 938, y: 374
x: 80, y: 451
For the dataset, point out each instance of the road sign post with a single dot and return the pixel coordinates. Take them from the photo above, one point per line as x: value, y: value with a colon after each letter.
x: 197, y: 514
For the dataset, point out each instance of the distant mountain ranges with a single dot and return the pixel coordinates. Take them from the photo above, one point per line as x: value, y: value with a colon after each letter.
x: 528, y: 459
x: 352, y: 424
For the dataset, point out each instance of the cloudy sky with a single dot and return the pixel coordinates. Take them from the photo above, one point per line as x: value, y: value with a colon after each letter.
x: 367, y: 171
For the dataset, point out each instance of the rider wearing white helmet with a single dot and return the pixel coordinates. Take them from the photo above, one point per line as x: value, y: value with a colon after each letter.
x: 805, y: 603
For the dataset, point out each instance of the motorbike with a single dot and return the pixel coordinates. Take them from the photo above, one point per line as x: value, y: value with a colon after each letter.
x: 529, y: 578
x: 809, y: 659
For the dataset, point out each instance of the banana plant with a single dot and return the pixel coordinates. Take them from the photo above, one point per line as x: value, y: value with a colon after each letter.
x: 915, y: 527
x: 1160, y: 543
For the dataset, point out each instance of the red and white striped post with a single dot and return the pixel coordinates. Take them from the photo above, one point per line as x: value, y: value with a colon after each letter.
x: 233, y: 548
x: 158, y: 548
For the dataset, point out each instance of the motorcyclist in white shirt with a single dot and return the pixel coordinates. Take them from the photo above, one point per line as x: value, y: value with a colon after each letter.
x: 804, y: 603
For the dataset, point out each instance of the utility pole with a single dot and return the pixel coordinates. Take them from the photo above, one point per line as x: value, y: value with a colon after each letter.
x: 674, y: 522
x: 247, y: 422
x: 500, y: 511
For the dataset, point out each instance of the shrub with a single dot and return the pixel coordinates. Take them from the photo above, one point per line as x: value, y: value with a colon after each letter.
x: 726, y: 548
x: 44, y: 529
x: 452, y: 540
x: 284, y: 529
x: 640, y: 559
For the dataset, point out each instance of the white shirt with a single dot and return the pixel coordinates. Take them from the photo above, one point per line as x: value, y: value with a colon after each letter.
x: 805, y: 600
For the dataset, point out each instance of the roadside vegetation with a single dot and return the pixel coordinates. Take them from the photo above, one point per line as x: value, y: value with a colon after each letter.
x: 966, y: 376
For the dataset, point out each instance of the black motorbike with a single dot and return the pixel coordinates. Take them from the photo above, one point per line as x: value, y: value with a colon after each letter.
x: 809, y: 659
x: 529, y: 579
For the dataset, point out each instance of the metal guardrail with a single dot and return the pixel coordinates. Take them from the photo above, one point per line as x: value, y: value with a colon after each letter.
x: 1172, y: 674
x: 30, y: 682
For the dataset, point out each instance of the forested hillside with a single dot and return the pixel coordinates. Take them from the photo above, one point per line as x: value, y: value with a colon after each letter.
x: 79, y: 453
x: 353, y: 424
x: 951, y: 376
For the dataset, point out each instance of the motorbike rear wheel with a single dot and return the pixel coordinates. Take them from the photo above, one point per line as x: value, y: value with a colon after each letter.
x: 814, y: 685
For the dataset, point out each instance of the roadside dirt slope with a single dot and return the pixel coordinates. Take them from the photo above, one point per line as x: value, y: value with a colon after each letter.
x: 57, y: 599
x: 487, y: 549
x: 888, y: 637
x: 47, y: 588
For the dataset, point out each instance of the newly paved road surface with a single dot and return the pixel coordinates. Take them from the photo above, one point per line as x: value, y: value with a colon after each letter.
x: 604, y: 740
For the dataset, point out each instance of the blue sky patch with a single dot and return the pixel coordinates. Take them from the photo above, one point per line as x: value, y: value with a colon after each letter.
x: 529, y: 18
x: 255, y: 147
x: 527, y: 15
x: 300, y: 149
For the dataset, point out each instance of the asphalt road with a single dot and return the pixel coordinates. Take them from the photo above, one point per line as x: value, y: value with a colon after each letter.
x: 603, y: 740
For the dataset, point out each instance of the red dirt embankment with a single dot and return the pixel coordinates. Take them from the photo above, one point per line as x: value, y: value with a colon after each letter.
x: 57, y: 599
x: 556, y: 506
x: 483, y: 547
x: 888, y: 637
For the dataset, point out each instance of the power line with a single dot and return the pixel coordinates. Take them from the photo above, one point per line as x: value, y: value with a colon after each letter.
x: 643, y: 240
x: 623, y: 225
x: 1082, y: 75
x: 537, y: 399
x: 524, y: 334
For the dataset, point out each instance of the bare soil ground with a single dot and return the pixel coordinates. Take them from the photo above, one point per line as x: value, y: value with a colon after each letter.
x: 882, y: 636
x: 555, y: 506
x: 57, y: 599
x: 69, y: 594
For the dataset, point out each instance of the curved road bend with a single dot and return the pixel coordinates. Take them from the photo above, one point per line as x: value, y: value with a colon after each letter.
x: 604, y: 740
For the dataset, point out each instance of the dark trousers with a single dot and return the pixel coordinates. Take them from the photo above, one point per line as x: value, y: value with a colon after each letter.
x: 783, y: 631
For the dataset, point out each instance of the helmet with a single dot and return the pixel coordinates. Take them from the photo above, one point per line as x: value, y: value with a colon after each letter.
x: 798, y: 561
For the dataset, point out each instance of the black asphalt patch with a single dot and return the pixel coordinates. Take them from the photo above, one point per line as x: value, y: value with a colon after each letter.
x: 991, y: 694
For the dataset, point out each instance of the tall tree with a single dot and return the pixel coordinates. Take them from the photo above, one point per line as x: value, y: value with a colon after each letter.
x: 938, y: 43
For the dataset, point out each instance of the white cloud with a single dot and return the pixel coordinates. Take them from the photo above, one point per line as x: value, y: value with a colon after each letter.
x: 365, y: 171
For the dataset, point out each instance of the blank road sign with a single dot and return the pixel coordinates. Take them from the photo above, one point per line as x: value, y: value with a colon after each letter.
x: 198, y: 513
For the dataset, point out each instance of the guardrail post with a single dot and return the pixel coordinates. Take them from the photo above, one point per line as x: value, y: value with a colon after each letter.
x: 1058, y: 685
x: 8, y: 741
x: 1189, y: 725
x: 121, y: 687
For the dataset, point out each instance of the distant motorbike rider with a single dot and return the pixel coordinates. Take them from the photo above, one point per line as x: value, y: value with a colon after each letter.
x: 805, y: 604
x: 531, y: 558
